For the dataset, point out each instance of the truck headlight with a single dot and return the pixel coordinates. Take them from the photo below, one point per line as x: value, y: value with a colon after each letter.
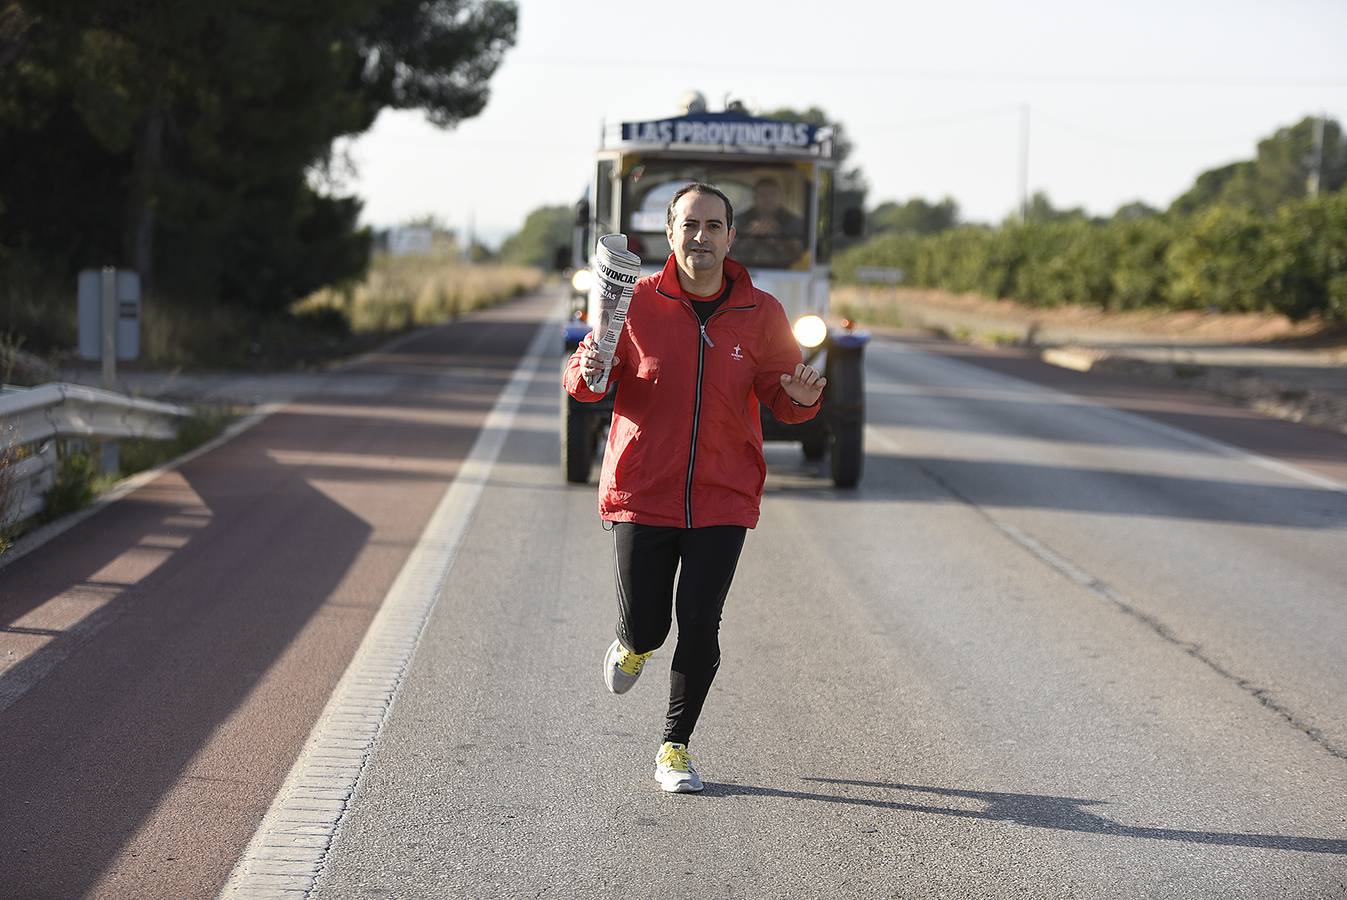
x: 810, y: 330
x: 581, y: 280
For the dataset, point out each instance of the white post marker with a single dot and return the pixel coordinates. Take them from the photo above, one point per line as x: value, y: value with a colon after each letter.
x: 616, y: 271
x: 109, y: 455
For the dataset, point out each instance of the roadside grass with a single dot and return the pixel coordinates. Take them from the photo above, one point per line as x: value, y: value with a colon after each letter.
x: 205, y: 423
x: 399, y: 293
x: 11, y: 344
x: 880, y: 306
x: 409, y: 291
x: 867, y: 308
x: 9, y: 456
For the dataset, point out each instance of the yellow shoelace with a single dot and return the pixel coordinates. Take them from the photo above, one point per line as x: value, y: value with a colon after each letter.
x: 631, y: 662
x: 676, y: 758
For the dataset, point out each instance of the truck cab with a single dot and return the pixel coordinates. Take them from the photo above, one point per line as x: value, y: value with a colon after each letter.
x: 779, y: 178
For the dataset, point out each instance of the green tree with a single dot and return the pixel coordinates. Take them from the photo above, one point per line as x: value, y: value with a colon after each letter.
x: 916, y: 216
x: 1134, y: 210
x: 1220, y: 261
x: 1306, y: 253
x: 1213, y: 186
x: 1280, y: 172
x: 1040, y: 209
x: 194, y: 136
x: 1063, y: 262
x: 891, y: 249
x: 1140, y: 277
x: 544, y: 230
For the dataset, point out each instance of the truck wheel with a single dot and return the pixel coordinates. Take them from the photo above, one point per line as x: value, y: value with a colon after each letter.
x: 815, y: 446
x: 577, y: 441
x: 846, y: 385
x: 848, y: 454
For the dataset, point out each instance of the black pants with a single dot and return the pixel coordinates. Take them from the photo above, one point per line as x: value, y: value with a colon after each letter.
x: 704, y: 559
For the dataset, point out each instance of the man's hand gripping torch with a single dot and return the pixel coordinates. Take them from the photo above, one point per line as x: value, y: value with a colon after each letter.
x: 616, y: 270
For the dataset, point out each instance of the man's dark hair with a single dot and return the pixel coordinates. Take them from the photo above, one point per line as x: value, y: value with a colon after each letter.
x: 700, y: 187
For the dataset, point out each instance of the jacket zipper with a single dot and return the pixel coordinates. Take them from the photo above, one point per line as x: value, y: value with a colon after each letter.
x: 704, y: 341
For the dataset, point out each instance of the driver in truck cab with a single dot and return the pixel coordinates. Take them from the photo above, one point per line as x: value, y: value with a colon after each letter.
x: 683, y: 470
x: 774, y: 232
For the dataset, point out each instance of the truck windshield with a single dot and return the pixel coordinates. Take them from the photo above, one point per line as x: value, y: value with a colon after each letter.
x: 771, y: 208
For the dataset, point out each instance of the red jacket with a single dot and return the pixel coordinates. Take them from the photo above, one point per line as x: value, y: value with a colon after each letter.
x: 685, y: 447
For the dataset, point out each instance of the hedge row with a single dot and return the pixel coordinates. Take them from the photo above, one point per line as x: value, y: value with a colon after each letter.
x: 1222, y: 258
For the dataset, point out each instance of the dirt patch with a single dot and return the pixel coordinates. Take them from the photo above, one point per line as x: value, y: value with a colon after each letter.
x: 1290, y: 370
x: 1269, y: 395
x: 1178, y: 326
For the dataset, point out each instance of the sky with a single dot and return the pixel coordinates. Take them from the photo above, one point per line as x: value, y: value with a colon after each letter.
x: 1126, y: 101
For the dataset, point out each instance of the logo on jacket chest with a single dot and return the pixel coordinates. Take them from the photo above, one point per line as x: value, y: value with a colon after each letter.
x: 736, y: 353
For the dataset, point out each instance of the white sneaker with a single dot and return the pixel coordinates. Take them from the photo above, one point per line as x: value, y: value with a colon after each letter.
x: 674, y: 771
x: 621, y: 667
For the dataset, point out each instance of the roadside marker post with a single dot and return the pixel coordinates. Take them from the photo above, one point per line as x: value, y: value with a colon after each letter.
x: 109, y: 329
x: 882, y: 276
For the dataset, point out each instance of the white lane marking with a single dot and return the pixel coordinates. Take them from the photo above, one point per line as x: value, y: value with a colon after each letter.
x: 1136, y: 420
x: 290, y: 847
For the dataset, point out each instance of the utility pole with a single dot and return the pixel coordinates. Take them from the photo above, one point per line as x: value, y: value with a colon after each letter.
x: 1316, y: 156
x: 1024, y: 162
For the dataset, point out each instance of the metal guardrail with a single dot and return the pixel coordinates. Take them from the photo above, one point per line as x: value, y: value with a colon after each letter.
x: 33, y: 419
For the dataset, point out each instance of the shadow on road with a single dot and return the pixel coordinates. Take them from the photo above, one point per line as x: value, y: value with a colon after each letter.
x: 1030, y: 810
x: 917, y: 479
x: 115, y: 710
x: 203, y: 622
x: 1009, y: 411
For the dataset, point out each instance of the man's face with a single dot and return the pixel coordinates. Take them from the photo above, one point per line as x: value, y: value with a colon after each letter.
x: 699, y: 237
x: 767, y: 197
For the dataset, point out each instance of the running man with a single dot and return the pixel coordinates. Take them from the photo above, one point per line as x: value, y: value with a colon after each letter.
x: 683, y: 471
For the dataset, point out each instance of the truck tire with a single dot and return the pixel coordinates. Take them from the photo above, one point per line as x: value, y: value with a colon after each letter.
x: 815, y: 446
x: 577, y: 441
x: 846, y: 385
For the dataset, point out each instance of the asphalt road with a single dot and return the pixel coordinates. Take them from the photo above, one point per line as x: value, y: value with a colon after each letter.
x: 1071, y: 637
x: 162, y: 662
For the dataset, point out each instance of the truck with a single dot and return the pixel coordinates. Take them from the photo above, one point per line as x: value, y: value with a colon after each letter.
x: 779, y: 176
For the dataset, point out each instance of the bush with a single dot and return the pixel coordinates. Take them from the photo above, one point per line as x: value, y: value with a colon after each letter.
x: 1223, y: 258
x: 890, y: 250
x: 1069, y: 261
x: 1139, y: 277
x: 76, y: 477
x: 1306, y: 250
x: 204, y: 424
x: 1220, y: 262
x: 956, y: 260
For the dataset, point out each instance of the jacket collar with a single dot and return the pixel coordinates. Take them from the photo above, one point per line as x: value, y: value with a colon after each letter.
x: 741, y: 292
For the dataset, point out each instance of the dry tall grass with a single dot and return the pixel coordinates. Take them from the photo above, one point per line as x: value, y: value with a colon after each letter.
x: 405, y: 291
x: 399, y: 293
x: 9, y: 457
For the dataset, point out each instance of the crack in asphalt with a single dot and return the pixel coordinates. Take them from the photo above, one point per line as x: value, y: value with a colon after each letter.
x: 1102, y: 589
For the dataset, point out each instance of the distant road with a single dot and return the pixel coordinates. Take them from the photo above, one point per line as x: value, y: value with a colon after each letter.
x: 1070, y: 637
